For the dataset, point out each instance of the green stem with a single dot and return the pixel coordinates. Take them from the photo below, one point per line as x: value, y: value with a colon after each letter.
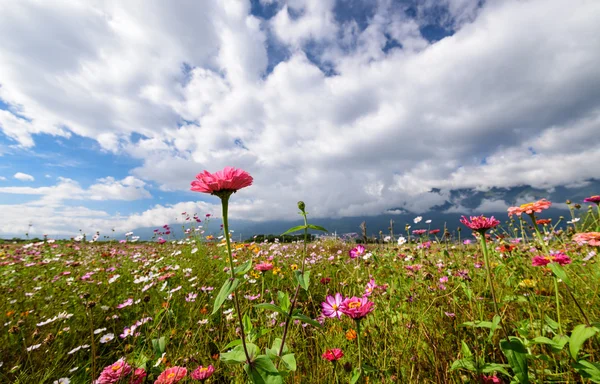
x: 358, y: 341
x: 489, y: 279
x: 557, y: 306
x: 225, y: 205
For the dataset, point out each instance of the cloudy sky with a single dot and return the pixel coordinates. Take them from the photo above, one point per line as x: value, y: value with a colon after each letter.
x: 108, y: 109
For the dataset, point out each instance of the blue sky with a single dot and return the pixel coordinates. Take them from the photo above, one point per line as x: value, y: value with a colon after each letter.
x: 108, y: 110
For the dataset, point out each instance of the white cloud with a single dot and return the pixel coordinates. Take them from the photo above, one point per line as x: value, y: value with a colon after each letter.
x: 510, y: 99
x: 2, y: 178
x: 23, y: 176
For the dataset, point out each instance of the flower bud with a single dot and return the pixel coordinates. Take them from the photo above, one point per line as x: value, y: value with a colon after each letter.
x: 301, y: 206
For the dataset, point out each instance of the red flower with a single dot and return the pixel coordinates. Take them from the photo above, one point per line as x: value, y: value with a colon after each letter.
x: 333, y: 354
x: 356, y: 308
x: 480, y: 223
x: 543, y: 221
x: 229, y: 179
x: 434, y: 231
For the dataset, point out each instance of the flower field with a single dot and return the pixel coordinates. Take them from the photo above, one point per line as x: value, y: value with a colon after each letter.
x: 509, y: 300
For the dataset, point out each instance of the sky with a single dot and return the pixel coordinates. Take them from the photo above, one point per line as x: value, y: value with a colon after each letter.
x: 108, y: 109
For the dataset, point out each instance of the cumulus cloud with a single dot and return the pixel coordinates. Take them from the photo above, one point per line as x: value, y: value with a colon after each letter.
x: 23, y: 176
x: 344, y: 122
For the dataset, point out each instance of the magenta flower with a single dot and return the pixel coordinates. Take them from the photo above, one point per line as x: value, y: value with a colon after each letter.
x: 554, y: 257
x: 371, y: 286
x: 592, y: 199
x: 480, y: 223
x: 114, y: 373
x: 229, y: 179
x: 356, y: 307
x: 333, y: 354
x: 202, y: 373
x: 419, y: 232
x: 263, y: 267
x: 357, y: 251
x: 138, y: 376
x: 171, y: 375
x: 331, y: 306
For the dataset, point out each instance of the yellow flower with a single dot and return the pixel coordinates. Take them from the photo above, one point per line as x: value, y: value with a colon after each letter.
x: 276, y: 270
x: 294, y: 267
x: 528, y: 283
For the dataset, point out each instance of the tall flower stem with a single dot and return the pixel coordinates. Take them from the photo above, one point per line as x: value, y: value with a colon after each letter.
x: 489, y: 279
x: 295, y: 298
x: 358, y: 341
x: 225, y: 204
x: 557, y: 306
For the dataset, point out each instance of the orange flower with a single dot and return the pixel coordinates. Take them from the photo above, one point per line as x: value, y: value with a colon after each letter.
x: 543, y: 221
x: 350, y: 334
x: 530, y: 208
x: 590, y: 238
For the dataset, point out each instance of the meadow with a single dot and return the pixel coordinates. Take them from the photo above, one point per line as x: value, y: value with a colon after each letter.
x: 515, y: 301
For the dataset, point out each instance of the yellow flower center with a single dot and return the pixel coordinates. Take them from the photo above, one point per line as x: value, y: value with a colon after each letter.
x: 354, y: 305
x: 116, y: 367
x: 170, y: 375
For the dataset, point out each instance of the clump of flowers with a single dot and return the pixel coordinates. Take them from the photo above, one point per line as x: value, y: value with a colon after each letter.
x: 553, y: 257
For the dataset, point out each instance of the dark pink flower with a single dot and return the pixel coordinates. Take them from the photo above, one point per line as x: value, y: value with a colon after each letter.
x: 263, y: 267
x: 229, y: 179
x: 592, y: 199
x: 356, y: 307
x: 114, y: 373
x: 554, y: 257
x: 331, y: 306
x: 171, y: 375
x: 480, y: 223
x: 490, y: 379
x: 202, y: 373
x: 138, y: 376
x: 357, y: 251
x: 419, y: 232
x: 333, y: 354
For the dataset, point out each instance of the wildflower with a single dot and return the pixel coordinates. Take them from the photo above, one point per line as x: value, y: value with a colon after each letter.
x: 592, y: 199
x: 370, y: 288
x: 417, y: 219
x: 554, y: 257
x: 357, y: 251
x: 356, y: 308
x: 528, y: 283
x: 350, y: 334
x: 191, y: 297
x: 419, y: 232
x: 106, y: 338
x: 99, y: 330
x: 114, y: 373
x: 490, y: 379
x: 202, y: 373
x: 36, y: 346
x: 171, y: 375
x: 434, y: 231
x: 480, y: 223
x: 331, y: 306
x: 229, y: 179
x: 590, y: 238
x: 333, y: 354
x: 161, y: 240
x: 401, y: 240
x: 263, y: 267
x: 450, y: 314
x: 62, y: 380
x: 126, y: 303
x: 138, y: 376
x: 543, y: 221
x: 530, y: 208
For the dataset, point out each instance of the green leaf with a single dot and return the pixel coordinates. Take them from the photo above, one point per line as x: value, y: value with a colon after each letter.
x: 294, y: 229
x: 306, y: 319
x: 560, y: 273
x: 228, y: 287
x: 270, y: 307
x: 241, y: 269
x: 159, y: 345
x: 494, y: 367
x: 588, y: 370
x: 516, y: 354
x: 464, y: 348
x: 479, y: 324
x: 495, y: 322
x: 235, y: 356
x: 263, y: 371
x: 303, y: 279
x: 277, y: 346
x: 355, y: 375
x: 232, y: 344
x: 290, y: 361
x: 263, y: 363
x: 284, y: 301
x: 466, y: 363
x: 579, y: 335
x: 317, y: 228
x: 247, y: 323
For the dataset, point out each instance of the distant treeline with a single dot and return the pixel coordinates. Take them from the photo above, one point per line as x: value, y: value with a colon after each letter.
x: 280, y: 238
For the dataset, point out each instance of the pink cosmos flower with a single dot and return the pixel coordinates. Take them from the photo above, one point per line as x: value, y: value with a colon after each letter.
x: 530, y: 208
x: 202, y: 373
x: 590, y: 238
x: 480, y: 223
x: 371, y: 286
x: 554, y: 257
x: 333, y: 354
x: 229, y: 179
x: 114, y: 373
x: 357, y: 251
x: 356, y: 307
x: 161, y: 240
x: 171, y: 375
x: 263, y: 267
x: 592, y: 199
x: 126, y: 303
x: 331, y: 306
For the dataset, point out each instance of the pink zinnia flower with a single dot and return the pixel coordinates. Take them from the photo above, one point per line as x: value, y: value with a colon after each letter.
x: 480, y: 223
x: 114, y: 373
x: 530, y: 208
x: 356, y: 307
x: 592, y: 199
x: 554, y: 257
x: 590, y: 238
x: 419, y: 232
x: 138, y: 376
x: 229, y: 179
x: 333, y: 354
x: 331, y: 306
x: 171, y: 375
x: 202, y: 373
x: 357, y: 251
x: 490, y: 379
x: 263, y: 267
